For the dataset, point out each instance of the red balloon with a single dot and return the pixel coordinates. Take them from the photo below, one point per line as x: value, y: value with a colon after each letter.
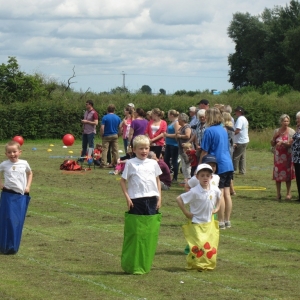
x: 68, y: 139
x: 18, y: 139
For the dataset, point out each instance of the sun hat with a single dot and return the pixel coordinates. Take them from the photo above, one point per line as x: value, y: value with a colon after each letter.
x: 202, y: 167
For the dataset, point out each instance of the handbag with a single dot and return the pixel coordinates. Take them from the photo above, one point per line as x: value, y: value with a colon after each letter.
x: 203, y: 241
x: 13, y: 208
x: 140, y: 241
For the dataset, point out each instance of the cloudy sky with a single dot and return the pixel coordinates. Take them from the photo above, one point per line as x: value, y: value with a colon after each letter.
x: 169, y: 44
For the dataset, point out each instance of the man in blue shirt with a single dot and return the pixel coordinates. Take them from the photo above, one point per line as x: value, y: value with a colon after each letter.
x: 109, y: 133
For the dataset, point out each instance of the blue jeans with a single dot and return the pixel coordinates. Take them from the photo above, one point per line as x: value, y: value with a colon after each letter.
x: 87, y: 139
x: 172, y: 152
x: 144, y: 206
x: 125, y: 143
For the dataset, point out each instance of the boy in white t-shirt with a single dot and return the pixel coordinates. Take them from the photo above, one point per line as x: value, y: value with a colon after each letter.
x: 203, y: 199
x: 210, y: 160
x: 17, y: 172
x: 143, y: 194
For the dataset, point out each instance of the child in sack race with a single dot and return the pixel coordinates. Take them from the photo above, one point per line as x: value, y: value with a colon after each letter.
x: 14, y: 197
x: 143, y: 197
x: 204, y: 201
x: 17, y: 172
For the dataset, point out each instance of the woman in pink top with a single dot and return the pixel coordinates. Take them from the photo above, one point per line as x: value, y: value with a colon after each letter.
x: 125, y: 125
x: 155, y: 131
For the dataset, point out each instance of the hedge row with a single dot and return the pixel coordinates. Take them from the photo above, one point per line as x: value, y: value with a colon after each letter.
x: 54, y: 118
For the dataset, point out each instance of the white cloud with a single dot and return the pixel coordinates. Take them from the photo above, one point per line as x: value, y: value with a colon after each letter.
x: 160, y: 40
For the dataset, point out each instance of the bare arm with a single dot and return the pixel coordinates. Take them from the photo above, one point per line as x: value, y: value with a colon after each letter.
x: 131, y: 131
x: 181, y: 205
x: 95, y: 122
x: 218, y: 204
x: 237, y: 131
x: 102, y: 130
x: 29, y: 181
x: 203, y: 153
x: 124, y: 190
x: 159, y: 190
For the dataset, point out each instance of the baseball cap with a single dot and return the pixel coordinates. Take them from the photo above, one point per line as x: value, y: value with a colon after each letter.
x: 209, y: 159
x: 130, y: 104
x: 203, y: 101
x: 239, y: 108
x: 192, y: 108
x: 203, y: 166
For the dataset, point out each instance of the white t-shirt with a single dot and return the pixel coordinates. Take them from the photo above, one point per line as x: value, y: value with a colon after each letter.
x: 202, y: 202
x: 141, y: 177
x: 242, y: 137
x: 15, y: 177
x: 192, y: 182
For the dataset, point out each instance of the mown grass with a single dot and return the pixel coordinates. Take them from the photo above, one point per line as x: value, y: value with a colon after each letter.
x: 72, y: 239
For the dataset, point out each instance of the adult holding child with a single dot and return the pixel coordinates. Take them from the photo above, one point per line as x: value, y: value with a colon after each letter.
x: 296, y: 152
x: 215, y: 142
x: 283, y: 170
x: 171, y: 150
x: 155, y: 131
x: 126, y: 124
x: 183, y: 135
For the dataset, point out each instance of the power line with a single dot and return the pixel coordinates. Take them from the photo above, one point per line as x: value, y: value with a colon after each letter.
x: 150, y: 75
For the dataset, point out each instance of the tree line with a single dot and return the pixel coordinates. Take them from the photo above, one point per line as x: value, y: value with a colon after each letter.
x: 266, y: 48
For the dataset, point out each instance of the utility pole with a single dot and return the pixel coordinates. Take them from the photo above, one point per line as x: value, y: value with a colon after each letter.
x: 123, y: 79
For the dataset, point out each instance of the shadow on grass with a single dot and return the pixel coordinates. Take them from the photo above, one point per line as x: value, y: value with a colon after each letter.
x: 174, y: 269
x: 171, y: 252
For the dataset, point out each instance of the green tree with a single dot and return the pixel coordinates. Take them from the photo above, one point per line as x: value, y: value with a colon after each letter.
x: 162, y: 92
x: 120, y: 90
x: 18, y: 86
x: 267, y: 47
x: 146, y: 89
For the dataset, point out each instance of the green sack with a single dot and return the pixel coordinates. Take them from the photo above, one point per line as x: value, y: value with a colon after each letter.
x: 140, y: 241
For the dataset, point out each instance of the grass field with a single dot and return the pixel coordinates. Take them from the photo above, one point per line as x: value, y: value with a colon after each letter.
x: 72, y: 239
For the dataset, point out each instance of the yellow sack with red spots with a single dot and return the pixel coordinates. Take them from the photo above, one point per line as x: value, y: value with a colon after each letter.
x: 203, y: 241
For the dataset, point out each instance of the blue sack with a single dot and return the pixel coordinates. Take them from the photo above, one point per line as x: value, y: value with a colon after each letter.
x: 13, y: 208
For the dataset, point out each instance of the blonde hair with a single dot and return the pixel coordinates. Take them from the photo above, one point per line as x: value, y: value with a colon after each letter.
x: 227, y: 119
x: 213, y: 116
x: 158, y: 112
x: 140, y: 140
x: 12, y: 143
x: 220, y: 107
x: 173, y: 113
x: 186, y: 146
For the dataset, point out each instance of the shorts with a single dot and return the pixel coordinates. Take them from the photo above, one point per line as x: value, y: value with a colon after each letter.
x: 225, y: 179
x: 144, y: 206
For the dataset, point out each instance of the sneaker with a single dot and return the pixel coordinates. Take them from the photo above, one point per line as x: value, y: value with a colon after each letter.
x: 111, y: 172
x: 174, y: 180
x: 222, y: 225
x: 227, y: 224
